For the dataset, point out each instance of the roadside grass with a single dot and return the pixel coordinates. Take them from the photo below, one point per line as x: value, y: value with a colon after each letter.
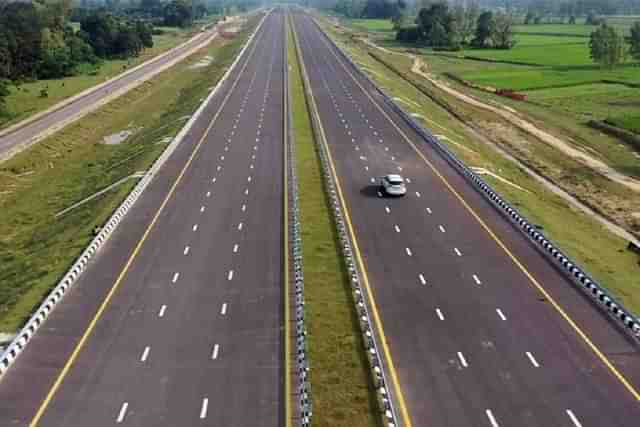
x: 381, y: 25
x: 25, y: 99
x: 341, y: 387
x: 630, y: 122
x: 589, y: 243
x: 36, y: 248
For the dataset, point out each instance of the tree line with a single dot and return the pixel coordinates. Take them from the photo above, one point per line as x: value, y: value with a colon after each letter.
x: 608, y: 47
x: 443, y: 27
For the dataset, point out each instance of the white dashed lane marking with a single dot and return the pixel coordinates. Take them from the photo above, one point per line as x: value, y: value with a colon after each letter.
x: 175, y: 277
x: 532, y: 359
x: 396, y: 228
x: 162, y: 310
x: 230, y: 275
x: 223, y: 310
x: 463, y: 361
x: 441, y: 227
x: 195, y: 227
x: 122, y: 413
x: 145, y: 354
x: 408, y: 251
x: 422, y: 279
x: 439, y: 313
x: 214, y: 353
x: 203, y: 409
x: 186, y: 250
x: 457, y: 251
x: 573, y: 418
x: 492, y: 419
x: 235, y: 248
x: 501, y: 314
x: 477, y: 280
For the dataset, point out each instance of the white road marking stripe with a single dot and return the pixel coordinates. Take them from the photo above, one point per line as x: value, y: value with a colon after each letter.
x: 235, y: 248
x: 386, y: 148
x: 441, y: 228
x: 393, y: 158
x: 366, y: 168
x: 203, y: 410
x: 145, y: 354
x: 463, y: 361
x: 223, y: 310
x: 373, y: 180
x: 239, y: 226
x: 123, y: 412
x: 457, y: 251
x: 222, y: 158
x: 400, y: 168
x: 175, y: 277
x: 246, y: 192
x: 408, y: 180
x: 218, y: 168
x: 213, y: 179
x: 208, y: 193
x: 249, y: 178
x: 478, y: 282
x: 244, y: 207
x: 501, y: 314
x: 417, y: 193
x: 492, y: 419
x: 386, y: 208
x: 186, y: 250
x: 162, y: 310
x: 195, y: 227
x: 422, y: 279
x: 408, y: 251
x: 428, y: 210
x: 440, y: 315
x: 201, y: 208
x: 214, y: 354
x: 574, y: 419
x: 532, y: 359
x: 396, y: 228
x: 251, y: 166
x: 230, y: 275
x: 379, y: 194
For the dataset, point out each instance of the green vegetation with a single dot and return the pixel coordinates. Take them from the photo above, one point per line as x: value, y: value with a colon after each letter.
x: 35, y: 247
x: 629, y: 122
x: 584, y: 239
x: 342, y: 391
x: 379, y: 25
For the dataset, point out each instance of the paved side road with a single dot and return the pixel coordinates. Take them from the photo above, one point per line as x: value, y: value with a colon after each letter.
x: 21, y: 135
x: 192, y: 334
x: 473, y: 340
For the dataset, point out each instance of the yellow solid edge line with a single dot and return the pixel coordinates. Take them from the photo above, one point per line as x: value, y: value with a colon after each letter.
x: 499, y: 242
x: 374, y: 309
x: 287, y: 347
x: 36, y: 419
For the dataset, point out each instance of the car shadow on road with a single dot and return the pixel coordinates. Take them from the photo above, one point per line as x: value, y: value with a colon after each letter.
x: 371, y: 191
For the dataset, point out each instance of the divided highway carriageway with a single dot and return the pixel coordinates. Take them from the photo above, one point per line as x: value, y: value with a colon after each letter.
x: 480, y: 329
x: 188, y: 291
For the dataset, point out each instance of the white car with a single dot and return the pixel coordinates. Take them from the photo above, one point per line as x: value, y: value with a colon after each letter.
x: 393, y: 185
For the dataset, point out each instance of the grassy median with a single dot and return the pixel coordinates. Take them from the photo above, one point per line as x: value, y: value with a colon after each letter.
x: 36, y: 248
x: 341, y: 388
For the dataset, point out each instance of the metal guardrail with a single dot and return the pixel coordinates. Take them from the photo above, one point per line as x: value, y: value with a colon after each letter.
x: 603, y: 298
x: 360, y: 297
x: 55, y: 296
x: 303, y: 388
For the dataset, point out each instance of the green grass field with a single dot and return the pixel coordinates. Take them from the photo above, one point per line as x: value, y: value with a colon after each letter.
x: 25, y: 100
x: 342, y: 393
x: 378, y: 25
x: 35, y: 247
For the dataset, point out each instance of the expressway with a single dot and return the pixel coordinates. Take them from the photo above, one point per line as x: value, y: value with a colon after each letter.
x: 481, y: 329
x: 179, y: 320
x: 31, y: 130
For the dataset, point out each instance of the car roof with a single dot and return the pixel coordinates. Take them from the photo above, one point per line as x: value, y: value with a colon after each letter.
x: 394, y: 177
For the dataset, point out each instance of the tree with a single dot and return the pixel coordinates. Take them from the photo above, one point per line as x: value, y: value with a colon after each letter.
x: 465, y: 20
x: 177, y: 13
x: 529, y: 18
x: 572, y: 19
x: 502, y: 31
x: 483, y: 29
x: 4, y: 92
x: 145, y: 32
x: 20, y: 26
x: 607, y: 46
x: 635, y: 41
x: 437, y: 27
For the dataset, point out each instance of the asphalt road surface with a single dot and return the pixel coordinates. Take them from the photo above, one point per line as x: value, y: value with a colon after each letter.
x: 473, y: 340
x: 192, y: 333
x: 33, y: 130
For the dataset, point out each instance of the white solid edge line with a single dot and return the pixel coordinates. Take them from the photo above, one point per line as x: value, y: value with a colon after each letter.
x: 501, y: 314
x: 145, y: 354
x: 162, y: 310
x: 532, y: 359
x: 573, y: 417
x: 462, y: 359
x: 492, y: 419
x: 203, y: 409
x: 123, y: 412
x: 440, y: 315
